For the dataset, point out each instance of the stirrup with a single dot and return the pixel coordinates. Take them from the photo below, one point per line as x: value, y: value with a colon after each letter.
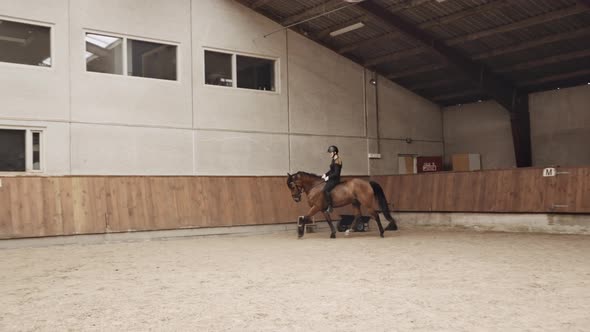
x: 329, y: 209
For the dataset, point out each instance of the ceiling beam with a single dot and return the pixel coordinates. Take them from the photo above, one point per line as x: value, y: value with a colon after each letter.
x: 544, y: 18
x: 259, y: 3
x: 534, y: 43
x: 313, y: 11
x: 426, y: 25
x: 458, y: 95
x: 397, y: 55
x: 321, y: 34
x: 433, y: 84
x: 546, y: 61
x: 502, y: 90
x: 418, y: 70
x: 559, y: 77
x: 519, y: 66
x: 500, y: 51
x: 368, y: 42
x: 572, y: 10
x: 394, y: 9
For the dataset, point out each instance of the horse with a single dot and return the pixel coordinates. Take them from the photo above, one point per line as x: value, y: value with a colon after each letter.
x: 357, y: 192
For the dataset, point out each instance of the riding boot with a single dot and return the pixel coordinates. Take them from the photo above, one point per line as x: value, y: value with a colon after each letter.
x: 328, y: 203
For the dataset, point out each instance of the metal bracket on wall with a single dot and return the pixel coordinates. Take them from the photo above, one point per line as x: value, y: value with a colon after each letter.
x: 559, y: 206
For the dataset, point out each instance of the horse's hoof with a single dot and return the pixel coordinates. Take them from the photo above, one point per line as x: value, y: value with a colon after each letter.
x: 382, y: 236
x: 347, y: 233
x: 332, y: 236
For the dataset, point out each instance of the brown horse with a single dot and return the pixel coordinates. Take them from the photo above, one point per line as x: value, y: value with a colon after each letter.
x: 356, y: 192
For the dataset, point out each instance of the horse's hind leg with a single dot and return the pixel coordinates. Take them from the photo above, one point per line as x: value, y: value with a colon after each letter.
x: 375, y: 215
x: 332, y: 229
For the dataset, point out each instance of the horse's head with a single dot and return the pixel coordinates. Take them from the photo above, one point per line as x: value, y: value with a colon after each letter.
x: 294, y: 184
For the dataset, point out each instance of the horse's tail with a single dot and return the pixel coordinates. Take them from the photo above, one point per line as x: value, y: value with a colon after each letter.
x: 380, y: 196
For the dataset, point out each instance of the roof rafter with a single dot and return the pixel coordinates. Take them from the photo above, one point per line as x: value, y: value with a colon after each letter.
x: 502, y: 90
x: 546, y: 61
x: 313, y: 11
x: 259, y: 3
x: 573, y: 10
x: 559, y: 77
x: 394, y: 9
x: 426, y: 25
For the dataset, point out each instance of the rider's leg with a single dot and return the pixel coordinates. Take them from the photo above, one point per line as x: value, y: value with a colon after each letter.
x: 328, y: 196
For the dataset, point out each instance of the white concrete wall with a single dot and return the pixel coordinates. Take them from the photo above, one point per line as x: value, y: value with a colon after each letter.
x: 113, y: 124
x: 117, y: 99
x: 482, y: 128
x: 560, y: 129
x: 401, y: 115
x: 39, y: 93
x: 560, y: 126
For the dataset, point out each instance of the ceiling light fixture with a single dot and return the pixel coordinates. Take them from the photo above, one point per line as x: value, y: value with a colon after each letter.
x: 347, y: 29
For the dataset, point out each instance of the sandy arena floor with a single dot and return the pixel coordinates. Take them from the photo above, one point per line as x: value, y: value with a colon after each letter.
x: 410, y: 281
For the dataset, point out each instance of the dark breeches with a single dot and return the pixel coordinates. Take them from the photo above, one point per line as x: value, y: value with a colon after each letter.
x: 327, y: 188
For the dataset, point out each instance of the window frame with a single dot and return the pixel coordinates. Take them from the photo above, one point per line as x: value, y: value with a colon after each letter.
x: 29, y: 149
x: 125, y: 52
x: 234, y: 70
x: 51, y: 27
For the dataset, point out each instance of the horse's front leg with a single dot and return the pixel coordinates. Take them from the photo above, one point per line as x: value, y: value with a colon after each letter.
x: 305, y: 220
x: 332, y: 229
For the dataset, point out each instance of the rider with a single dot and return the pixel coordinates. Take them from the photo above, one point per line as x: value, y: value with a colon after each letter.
x: 332, y: 177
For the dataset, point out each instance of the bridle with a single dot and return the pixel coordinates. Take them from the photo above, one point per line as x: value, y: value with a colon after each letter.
x: 296, y: 196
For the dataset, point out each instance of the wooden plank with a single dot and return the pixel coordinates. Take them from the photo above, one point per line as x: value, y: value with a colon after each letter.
x: 27, y: 205
x: 45, y: 206
x: 6, y: 208
x: 52, y: 215
x: 88, y: 206
x: 582, y: 200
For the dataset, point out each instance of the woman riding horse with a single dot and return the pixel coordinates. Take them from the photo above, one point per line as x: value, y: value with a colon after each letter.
x: 356, y: 192
x: 332, y: 177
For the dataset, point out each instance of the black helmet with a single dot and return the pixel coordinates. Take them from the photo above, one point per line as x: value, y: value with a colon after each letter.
x: 332, y: 148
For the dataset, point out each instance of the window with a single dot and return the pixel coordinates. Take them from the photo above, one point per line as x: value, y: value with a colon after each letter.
x: 21, y: 150
x: 36, y: 150
x: 25, y: 44
x: 12, y: 150
x: 250, y: 72
x: 105, y: 54
x: 218, y: 68
x: 255, y: 73
x: 152, y: 60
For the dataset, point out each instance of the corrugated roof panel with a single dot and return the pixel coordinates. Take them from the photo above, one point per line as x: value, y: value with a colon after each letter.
x: 516, y: 11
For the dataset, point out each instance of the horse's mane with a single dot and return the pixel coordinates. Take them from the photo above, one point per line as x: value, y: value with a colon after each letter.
x: 307, y: 174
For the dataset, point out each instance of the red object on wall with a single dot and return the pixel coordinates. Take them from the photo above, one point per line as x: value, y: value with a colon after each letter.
x: 429, y: 164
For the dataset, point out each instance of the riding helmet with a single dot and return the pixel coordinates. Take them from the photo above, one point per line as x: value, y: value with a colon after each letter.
x: 332, y: 148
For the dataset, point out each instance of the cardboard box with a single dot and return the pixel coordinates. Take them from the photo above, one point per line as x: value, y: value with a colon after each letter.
x: 406, y: 165
x: 466, y: 162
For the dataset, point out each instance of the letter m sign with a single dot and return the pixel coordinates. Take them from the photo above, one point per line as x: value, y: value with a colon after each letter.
x: 549, y: 171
